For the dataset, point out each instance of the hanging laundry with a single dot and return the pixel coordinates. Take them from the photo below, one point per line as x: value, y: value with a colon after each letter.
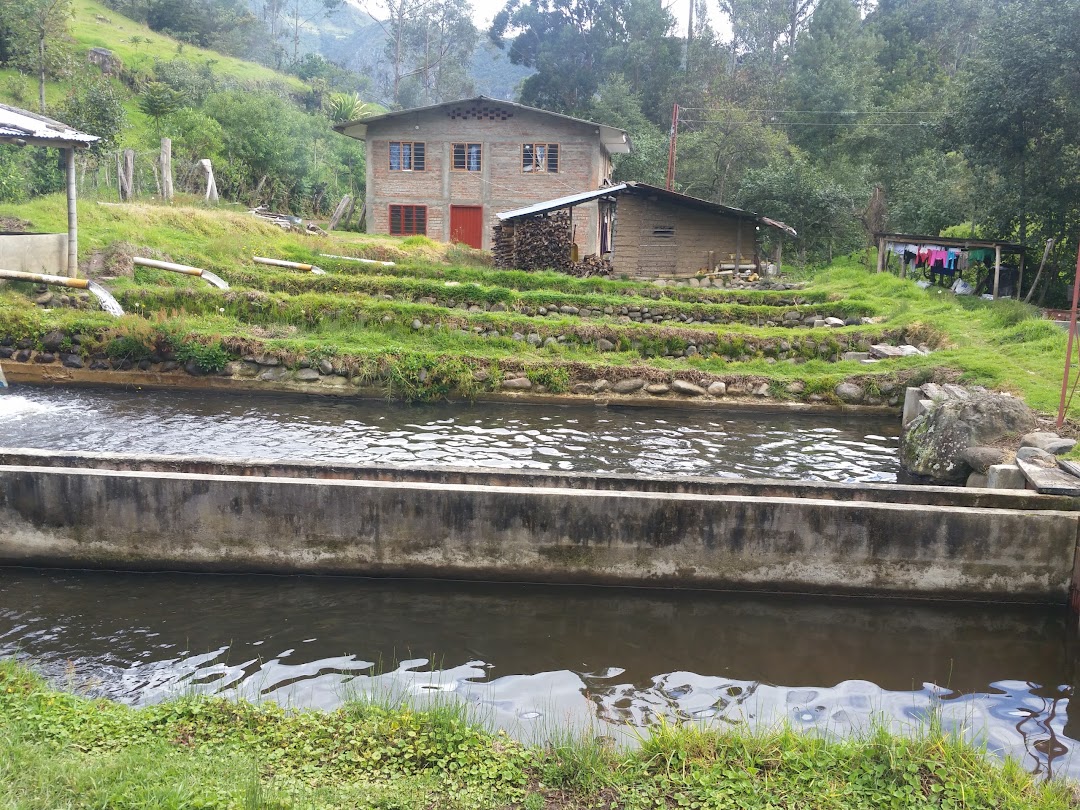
x: 981, y: 254
x: 952, y: 254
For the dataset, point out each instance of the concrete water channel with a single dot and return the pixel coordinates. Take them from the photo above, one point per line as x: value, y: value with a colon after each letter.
x: 96, y: 478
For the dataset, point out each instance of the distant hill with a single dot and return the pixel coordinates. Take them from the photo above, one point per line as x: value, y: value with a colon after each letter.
x: 350, y: 38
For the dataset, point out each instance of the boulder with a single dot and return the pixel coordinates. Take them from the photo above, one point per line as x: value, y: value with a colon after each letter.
x: 604, y: 345
x: 517, y: 384
x: 884, y: 351
x: 849, y: 393
x: 1049, y: 442
x: 628, y: 386
x: 657, y: 389
x: 716, y: 389
x: 687, y: 389
x: 53, y: 341
x: 981, y: 458
x: 307, y: 375
x: 931, y: 444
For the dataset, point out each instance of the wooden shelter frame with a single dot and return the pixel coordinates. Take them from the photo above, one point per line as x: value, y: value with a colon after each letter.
x: 999, y: 247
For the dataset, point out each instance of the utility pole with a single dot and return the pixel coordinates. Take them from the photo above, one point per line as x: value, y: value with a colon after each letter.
x: 671, y: 147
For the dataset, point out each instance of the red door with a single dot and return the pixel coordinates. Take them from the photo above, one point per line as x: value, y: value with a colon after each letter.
x: 467, y: 224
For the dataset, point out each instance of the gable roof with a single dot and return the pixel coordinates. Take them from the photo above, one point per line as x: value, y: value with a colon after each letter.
x: 615, y: 140
x: 643, y: 189
x: 23, y: 127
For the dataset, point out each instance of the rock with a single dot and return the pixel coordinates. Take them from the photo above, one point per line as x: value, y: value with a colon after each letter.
x: 481, y: 375
x: 581, y: 388
x: 23, y: 356
x: 691, y: 350
x: 267, y: 360
x: 835, y: 322
x: 934, y: 392
x: 273, y: 374
x: 762, y: 390
x: 192, y: 367
x: 981, y: 458
x: 517, y: 384
x: 568, y: 310
x: 549, y: 342
x: 716, y: 389
x: 955, y: 391
x: 601, y: 385
x: 628, y: 386
x: 603, y: 345
x: 25, y: 343
x: 246, y: 369
x: 856, y: 356
x: 793, y: 315
x: 167, y: 366
x: 45, y: 357
x: 908, y: 351
x: 417, y: 324
x: 307, y: 375
x: 1036, y: 455
x: 977, y: 481
x: 533, y: 339
x: 52, y: 341
x: 657, y: 389
x: 101, y: 365
x: 796, y: 387
x: 1005, y: 476
x: 326, y: 367
x: 883, y: 351
x: 687, y: 389
x: 1050, y: 442
x: 232, y: 369
x: 71, y: 361
x: 44, y: 299
x: 849, y: 393
x: 931, y: 444
x: 144, y: 365
x: 6, y: 352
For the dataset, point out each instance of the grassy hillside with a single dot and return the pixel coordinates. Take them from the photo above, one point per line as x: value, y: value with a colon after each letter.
x: 439, y: 323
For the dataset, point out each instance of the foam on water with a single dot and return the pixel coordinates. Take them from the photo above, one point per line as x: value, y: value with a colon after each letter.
x: 105, y: 299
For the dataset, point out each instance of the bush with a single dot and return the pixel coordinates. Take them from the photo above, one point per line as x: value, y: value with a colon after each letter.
x: 209, y: 357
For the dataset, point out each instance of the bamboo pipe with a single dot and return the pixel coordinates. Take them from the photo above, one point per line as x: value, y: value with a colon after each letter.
x: 41, y: 278
x: 186, y: 269
x: 282, y: 263
x: 354, y: 259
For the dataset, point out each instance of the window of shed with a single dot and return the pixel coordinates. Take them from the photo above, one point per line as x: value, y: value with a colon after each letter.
x: 664, y: 232
x: 466, y: 157
x: 408, y: 220
x: 406, y: 156
x: 540, y: 157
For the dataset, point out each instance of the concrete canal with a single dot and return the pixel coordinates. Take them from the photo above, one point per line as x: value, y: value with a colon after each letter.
x: 532, y: 659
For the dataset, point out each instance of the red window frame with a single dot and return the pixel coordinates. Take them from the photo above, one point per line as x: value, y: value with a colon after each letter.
x: 408, y: 220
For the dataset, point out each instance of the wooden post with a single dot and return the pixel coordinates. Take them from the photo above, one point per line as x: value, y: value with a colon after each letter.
x: 211, y: 185
x: 997, y: 269
x: 738, y: 245
x: 128, y: 176
x: 166, y: 170
x: 780, y: 253
x: 72, y: 215
x: 881, y: 254
x: 1042, y: 264
x: 1020, y: 280
x: 339, y: 212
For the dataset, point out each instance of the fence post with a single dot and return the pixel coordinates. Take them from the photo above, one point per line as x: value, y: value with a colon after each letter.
x: 166, y: 169
x: 127, y: 176
x: 211, y: 185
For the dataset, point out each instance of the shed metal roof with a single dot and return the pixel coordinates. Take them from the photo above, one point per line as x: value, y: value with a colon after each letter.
x: 30, y: 129
x: 673, y: 197
x: 951, y: 241
x: 615, y: 140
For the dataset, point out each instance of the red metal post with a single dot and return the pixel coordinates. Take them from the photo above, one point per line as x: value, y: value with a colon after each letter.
x: 671, y: 147
x: 1072, y: 334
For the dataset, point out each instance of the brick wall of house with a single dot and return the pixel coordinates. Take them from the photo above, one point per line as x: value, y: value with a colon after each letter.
x: 656, y: 239
x: 500, y: 185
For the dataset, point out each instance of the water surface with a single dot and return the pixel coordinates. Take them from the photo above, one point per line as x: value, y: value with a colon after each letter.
x: 541, y: 437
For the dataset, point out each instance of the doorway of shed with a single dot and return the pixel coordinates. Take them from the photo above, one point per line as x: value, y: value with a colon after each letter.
x: 467, y: 224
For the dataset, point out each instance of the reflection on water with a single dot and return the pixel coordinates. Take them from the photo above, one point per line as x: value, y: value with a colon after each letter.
x: 585, y: 438
x: 531, y: 658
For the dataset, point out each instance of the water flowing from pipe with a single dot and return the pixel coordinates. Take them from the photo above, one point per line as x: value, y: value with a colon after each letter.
x: 107, y: 302
x: 217, y: 281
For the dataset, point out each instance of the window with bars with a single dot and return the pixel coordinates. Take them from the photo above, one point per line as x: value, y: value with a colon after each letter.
x: 406, y: 156
x: 466, y: 157
x: 540, y: 157
x: 408, y: 220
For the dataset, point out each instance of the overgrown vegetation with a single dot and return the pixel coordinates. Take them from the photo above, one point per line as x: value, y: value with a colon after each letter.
x: 62, y: 750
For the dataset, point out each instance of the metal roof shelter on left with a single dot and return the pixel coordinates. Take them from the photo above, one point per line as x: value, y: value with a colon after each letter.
x: 24, y: 128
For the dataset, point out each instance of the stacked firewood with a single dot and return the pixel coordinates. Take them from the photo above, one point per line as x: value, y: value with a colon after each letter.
x: 590, y: 266
x: 502, y: 248
x: 538, y: 243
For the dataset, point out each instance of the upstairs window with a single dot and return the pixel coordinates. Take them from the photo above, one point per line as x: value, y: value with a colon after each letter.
x: 466, y: 157
x: 540, y: 157
x: 408, y: 220
x: 406, y: 156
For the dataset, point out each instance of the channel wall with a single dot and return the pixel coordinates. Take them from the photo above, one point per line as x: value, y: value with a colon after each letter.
x: 135, y: 512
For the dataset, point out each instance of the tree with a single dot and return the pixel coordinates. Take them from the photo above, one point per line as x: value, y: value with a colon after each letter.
x: 94, y: 106
x: 159, y: 101
x: 574, y: 44
x: 34, y: 37
x: 299, y: 13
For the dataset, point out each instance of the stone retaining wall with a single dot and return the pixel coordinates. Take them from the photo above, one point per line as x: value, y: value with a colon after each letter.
x: 766, y: 540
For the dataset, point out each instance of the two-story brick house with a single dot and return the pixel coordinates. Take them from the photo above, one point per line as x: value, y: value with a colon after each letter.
x: 445, y: 170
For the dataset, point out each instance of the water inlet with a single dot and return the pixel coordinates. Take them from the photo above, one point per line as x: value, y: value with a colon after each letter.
x: 184, y: 269
x: 292, y: 265
x: 107, y: 302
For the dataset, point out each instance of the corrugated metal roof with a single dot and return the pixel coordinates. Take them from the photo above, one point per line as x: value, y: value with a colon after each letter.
x: 560, y: 202
x: 36, y: 130
x: 643, y: 188
x: 615, y: 140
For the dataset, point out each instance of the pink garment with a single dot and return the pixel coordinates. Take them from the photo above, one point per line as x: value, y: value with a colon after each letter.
x: 939, y: 256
